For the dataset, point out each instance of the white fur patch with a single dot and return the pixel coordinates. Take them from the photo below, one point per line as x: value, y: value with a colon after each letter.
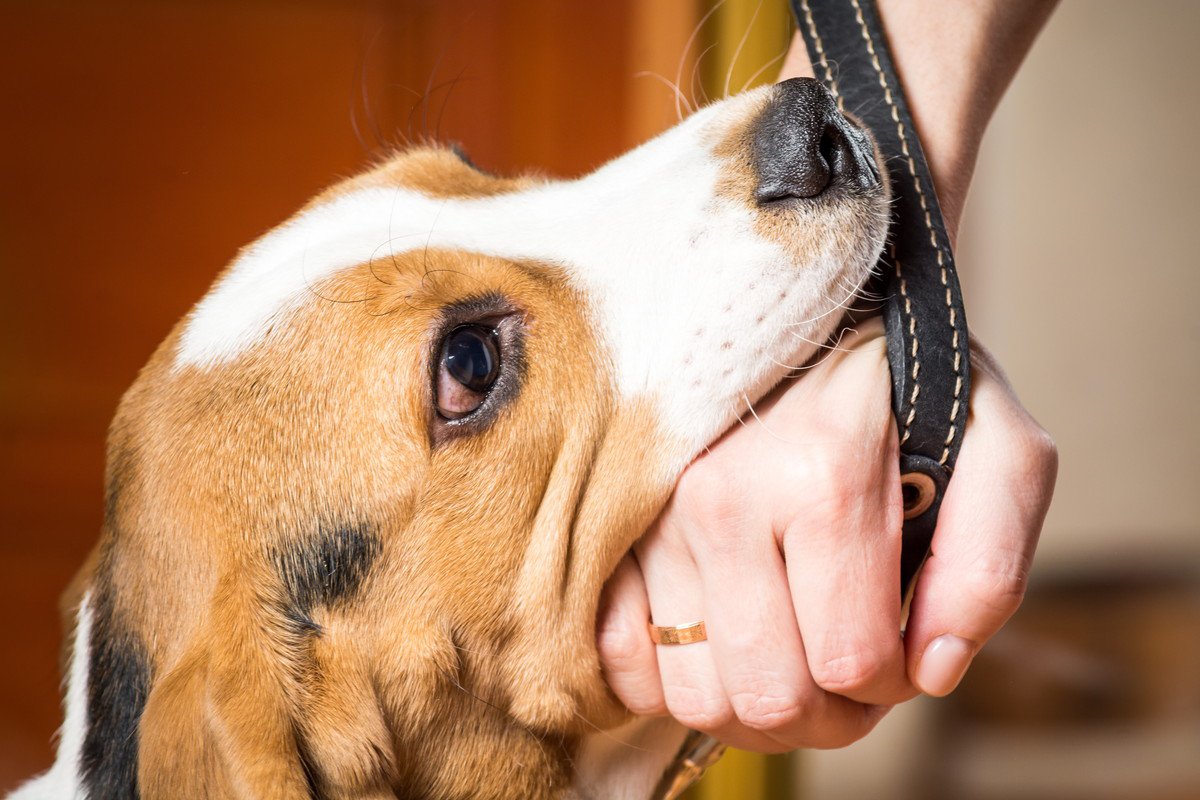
x: 608, y: 228
x: 63, y: 781
x: 626, y: 763
x: 691, y: 305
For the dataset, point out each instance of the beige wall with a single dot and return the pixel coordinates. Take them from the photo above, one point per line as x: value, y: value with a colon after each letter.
x: 1079, y: 261
x: 1078, y: 258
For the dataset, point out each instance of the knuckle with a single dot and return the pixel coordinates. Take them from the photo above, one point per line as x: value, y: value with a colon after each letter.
x: 769, y: 709
x: 848, y: 672
x: 644, y: 705
x: 620, y: 645
x: 998, y: 583
x: 836, y: 501
x: 698, y: 709
x: 1042, y: 452
x: 705, y: 477
x: 1032, y: 451
x: 709, y: 490
x: 835, y: 484
x: 828, y: 507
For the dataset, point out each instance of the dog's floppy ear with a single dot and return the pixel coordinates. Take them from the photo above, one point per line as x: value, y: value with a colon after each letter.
x: 243, y: 713
x: 175, y: 737
x: 217, y: 724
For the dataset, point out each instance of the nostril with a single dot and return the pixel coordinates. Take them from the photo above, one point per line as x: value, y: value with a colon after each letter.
x: 796, y: 171
x: 832, y: 150
x: 804, y: 147
x: 809, y: 182
x: 807, y: 169
x: 803, y: 160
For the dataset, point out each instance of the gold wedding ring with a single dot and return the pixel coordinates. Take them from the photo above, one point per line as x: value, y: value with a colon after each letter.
x: 678, y: 634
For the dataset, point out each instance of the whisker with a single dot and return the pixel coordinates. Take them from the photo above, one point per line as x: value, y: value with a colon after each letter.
x: 608, y: 734
x: 359, y: 89
x: 429, y: 238
x: 687, y: 48
x: 765, y: 426
x: 697, y: 82
x: 390, y: 239
x: 737, y: 53
x: 838, y: 306
x: 429, y: 91
x: 364, y: 92
x: 758, y: 72
x: 679, y: 96
x: 437, y: 131
x: 787, y: 45
x: 823, y: 346
x: 311, y: 286
x: 422, y: 103
x: 311, y: 289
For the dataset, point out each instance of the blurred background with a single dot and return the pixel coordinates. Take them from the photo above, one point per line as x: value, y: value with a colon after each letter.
x: 142, y: 143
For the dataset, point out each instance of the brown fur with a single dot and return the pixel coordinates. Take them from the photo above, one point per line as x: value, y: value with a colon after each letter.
x: 332, y: 592
x: 466, y: 667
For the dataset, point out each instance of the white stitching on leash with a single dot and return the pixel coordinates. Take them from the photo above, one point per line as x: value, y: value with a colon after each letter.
x: 912, y: 170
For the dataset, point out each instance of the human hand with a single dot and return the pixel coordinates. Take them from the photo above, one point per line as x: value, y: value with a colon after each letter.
x: 785, y: 538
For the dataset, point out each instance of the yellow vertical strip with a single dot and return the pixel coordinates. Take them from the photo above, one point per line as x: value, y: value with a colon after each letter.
x: 740, y: 775
x: 737, y: 775
x: 743, y: 45
x: 750, y: 39
x: 740, y: 45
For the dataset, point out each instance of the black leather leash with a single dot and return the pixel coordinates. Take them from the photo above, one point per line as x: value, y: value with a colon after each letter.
x: 923, y: 309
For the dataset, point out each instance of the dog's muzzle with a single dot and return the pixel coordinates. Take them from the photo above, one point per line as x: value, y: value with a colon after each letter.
x: 803, y: 146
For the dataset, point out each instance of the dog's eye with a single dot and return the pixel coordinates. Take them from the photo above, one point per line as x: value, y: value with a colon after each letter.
x: 469, y: 366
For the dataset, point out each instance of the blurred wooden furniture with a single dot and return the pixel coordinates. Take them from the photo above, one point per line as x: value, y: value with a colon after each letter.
x: 1092, y: 691
x: 143, y: 143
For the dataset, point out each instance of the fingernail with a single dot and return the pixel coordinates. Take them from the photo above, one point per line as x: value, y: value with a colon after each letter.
x: 943, y: 665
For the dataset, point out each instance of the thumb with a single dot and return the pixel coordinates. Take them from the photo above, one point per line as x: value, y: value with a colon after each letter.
x: 988, y: 528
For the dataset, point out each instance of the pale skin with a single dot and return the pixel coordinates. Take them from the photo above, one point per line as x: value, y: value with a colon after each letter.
x: 785, y: 536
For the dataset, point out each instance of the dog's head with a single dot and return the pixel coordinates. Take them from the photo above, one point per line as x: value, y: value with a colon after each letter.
x: 364, y: 497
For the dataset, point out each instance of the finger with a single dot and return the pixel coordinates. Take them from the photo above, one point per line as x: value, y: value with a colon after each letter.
x: 987, y: 530
x: 842, y: 567
x: 692, y: 688
x: 842, y: 545
x: 758, y: 649
x: 627, y: 655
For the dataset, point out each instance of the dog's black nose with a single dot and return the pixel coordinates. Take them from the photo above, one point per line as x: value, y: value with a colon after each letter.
x: 803, y: 146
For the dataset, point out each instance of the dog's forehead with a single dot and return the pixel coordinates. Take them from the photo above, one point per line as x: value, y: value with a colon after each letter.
x: 666, y: 247
x: 610, y: 229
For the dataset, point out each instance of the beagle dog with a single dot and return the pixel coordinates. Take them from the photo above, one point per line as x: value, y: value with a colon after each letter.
x: 362, y: 500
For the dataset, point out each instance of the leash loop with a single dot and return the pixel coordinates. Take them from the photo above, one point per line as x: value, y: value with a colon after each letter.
x: 923, y: 308
x: 926, y: 325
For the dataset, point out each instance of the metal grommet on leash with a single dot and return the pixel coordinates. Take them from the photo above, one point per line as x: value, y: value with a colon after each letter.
x: 919, y: 493
x: 698, y: 753
x: 923, y: 314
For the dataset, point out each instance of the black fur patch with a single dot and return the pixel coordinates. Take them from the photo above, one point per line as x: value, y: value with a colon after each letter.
x: 118, y: 684
x: 324, y: 569
x: 457, y: 149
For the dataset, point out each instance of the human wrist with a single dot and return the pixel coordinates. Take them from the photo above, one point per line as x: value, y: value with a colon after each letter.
x: 955, y: 59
